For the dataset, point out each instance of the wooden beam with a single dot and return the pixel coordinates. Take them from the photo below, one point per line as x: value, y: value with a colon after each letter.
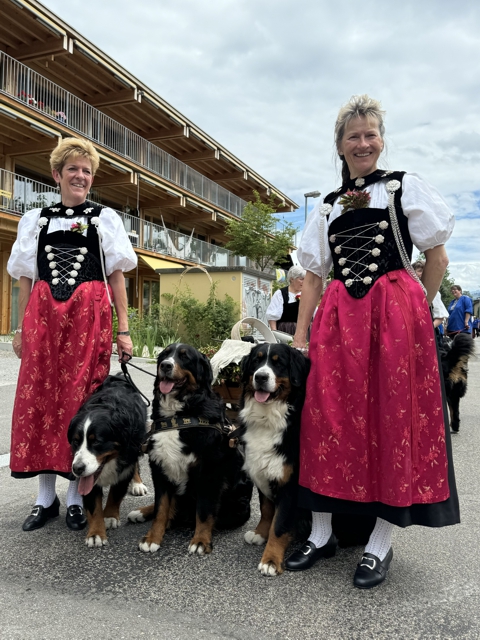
x: 32, y: 149
x: 166, y: 134
x: 169, y: 201
x: 117, y: 179
x: 235, y: 175
x: 52, y: 47
x: 124, y: 96
x: 198, y: 156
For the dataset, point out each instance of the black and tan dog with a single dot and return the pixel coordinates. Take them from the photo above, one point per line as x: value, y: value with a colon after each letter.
x: 106, y: 437
x: 198, y: 478
x: 274, y: 380
x: 454, y: 355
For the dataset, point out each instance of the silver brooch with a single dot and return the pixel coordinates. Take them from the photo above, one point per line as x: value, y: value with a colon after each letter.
x: 83, y: 250
x: 95, y: 221
x: 55, y: 209
x: 387, y: 173
x: 393, y: 185
x: 332, y: 238
x: 383, y: 224
x: 88, y: 210
x: 379, y: 239
x: 359, y: 182
x: 342, y: 261
x: 375, y: 252
x: 345, y: 272
x: 69, y: 212
x: 348, y: 283
x: 42, y: 222
x: 325, y: 209
x: 373, y: 267
x: 367, y: 280
x: 338, y: 249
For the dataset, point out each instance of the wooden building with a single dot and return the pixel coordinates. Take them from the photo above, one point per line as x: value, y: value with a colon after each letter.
x: 173, y: 185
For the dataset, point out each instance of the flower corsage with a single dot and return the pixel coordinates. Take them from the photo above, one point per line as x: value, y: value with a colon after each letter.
x: 297, y: 296
x: 78, y: 227
x: 354, y: 200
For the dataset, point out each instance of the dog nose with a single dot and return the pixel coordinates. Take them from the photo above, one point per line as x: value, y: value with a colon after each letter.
x: 166, y: 367
x: 260, y: 377
x: 78, y: 468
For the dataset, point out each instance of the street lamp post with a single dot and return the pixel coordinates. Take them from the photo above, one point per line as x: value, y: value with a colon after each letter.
x: 311, y: 194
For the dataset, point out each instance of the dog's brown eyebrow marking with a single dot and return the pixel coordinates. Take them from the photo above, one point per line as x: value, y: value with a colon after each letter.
x: 260, y: 354
x: 91, y: 436
x: 274, y: 357
x: 182, y: 351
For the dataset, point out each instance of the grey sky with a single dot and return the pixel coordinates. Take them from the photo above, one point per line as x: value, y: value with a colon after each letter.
x: 266, y: 79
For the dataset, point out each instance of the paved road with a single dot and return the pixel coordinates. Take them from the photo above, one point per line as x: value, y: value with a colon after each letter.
x: 52, y: 586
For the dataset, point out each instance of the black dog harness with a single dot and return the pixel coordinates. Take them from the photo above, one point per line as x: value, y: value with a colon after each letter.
x: 175, y: 424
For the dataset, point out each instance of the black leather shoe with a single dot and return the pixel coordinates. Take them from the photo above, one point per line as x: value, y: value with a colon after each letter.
x: 308, y: 554
x: 371, y: 571
x: 40, y: 515
x: 76, y: 518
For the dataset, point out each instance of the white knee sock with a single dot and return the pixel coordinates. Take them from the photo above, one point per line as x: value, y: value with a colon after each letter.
x: 380, y: 539
x: 46, y: 489
x: 321, y: 528
x: 73, y: 497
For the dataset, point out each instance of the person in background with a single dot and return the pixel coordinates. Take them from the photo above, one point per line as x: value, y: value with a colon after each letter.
x: 282, y: 312
x: 374, y: 439
x: 475, y: 327
x: 460, y: 312
x: 439, y: 311
x: 69, y: 259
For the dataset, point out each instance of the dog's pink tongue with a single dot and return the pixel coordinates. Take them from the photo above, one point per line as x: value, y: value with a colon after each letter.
x: 166, y: 386
x: 85, y: 485
x: 262, y: 396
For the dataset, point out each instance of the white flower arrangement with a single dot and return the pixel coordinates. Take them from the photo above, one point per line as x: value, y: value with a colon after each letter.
x: 375, y: 252
x: 367, y: 280
x: 325, y: 209
x: 373, y: 267
x: 383, y: 225
x: 393, y: 185
x: 379, y: 239
x: 345, y: 272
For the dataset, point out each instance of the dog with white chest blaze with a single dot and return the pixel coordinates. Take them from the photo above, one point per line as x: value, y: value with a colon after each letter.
x: 197, y: 477
x: 106, y: 437
x: 274, y: 379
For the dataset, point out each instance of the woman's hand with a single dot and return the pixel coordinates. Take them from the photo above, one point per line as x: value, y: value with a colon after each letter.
x: 299, y: 342
x: 124, y: 346
x: 17, y: 344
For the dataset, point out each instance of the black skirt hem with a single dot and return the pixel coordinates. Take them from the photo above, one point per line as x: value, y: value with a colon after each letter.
x: 68, y: 475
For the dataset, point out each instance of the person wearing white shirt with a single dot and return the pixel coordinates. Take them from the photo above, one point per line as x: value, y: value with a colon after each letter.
x: 69, y: 259
x: 282, y: 312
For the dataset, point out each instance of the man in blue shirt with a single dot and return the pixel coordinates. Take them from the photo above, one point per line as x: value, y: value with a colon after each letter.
x: 460, y: 311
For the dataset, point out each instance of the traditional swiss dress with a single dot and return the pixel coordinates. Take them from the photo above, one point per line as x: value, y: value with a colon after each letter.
x: 374, y: 439
x: 67, y: 327
x: 284, y: 308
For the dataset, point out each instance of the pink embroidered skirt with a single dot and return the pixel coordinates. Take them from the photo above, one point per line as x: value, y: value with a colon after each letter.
x: 373, y: 429
x: 66, y: 348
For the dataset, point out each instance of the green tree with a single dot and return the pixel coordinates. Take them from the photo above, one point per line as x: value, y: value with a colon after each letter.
x: 252, y: 235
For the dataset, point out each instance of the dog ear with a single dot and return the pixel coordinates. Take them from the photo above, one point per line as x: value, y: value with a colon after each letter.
x: 245, y: 364
x: 204, y: 371
x: 300, y: 366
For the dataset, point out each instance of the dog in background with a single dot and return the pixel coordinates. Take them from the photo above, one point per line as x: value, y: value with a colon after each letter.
x: 454, y: 355
x: 197, y: 477
x: 106, y: 437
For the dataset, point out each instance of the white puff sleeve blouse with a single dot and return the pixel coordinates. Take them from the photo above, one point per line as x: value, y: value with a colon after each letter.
x: 430, y: 220
x: 117, y: 248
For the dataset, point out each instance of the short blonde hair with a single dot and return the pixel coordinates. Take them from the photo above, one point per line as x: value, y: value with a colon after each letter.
x: 74, y: 147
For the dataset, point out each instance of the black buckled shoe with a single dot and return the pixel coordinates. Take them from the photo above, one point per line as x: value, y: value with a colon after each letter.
x: 40, y: 515
x: 371, y: 571
x: 76, y: 518
x: 308, y: 554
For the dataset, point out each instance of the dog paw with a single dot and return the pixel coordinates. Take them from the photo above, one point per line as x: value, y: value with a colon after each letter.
x: 254, y: 538
x: 148, y: 547
x: 111, y: 523
x: 95, y: 541
x: 268, y: 569
x: 137, y: 489
x: 136, y: 516
x: 200, y: 548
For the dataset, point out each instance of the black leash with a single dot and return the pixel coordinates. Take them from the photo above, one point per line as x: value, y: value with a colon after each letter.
x: 128, y: 377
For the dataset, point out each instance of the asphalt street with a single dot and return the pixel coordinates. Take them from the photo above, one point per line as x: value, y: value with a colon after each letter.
x: 52, y: 586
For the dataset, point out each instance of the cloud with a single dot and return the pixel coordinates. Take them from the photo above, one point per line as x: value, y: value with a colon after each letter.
x: 266, y: 79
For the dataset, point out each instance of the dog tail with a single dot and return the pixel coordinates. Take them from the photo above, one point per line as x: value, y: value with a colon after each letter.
x: 462, y: 348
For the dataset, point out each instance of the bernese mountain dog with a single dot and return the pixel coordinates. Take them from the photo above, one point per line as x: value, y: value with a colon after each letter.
x: 274, y: 379
x: 274, y: 382
x: 197, y: 477
x: 454, y: 355
x: 106, y: 436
